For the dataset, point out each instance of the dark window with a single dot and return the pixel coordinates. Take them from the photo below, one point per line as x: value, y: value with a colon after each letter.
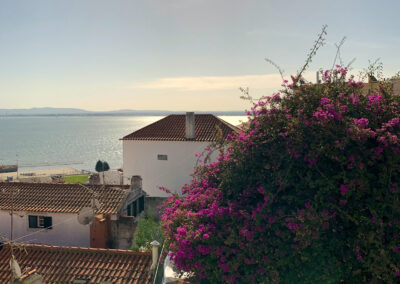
x: 33, y: 222
x: 141, y: 204
x: 129, y: 210
x: 40, y: 222
x: 48, y: 222
x: 134, y: 213
x: 162, y: 157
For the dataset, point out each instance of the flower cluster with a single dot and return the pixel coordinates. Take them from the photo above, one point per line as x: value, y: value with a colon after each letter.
x: 307, y: 192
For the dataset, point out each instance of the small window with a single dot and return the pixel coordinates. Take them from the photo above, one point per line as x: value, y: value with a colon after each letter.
x: 134, y: 208
x: 40, y: 222
x: 141, y: 204
x: 129, y: 210
x: 162, y: 157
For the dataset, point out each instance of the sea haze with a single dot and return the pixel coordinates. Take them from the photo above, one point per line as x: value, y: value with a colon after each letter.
x: 49, y: 111
x: 40, y: 142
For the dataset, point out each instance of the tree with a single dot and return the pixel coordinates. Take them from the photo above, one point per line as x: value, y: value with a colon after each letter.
x: 101, y: 166
x: 106, y: 167
x: 307, y: 193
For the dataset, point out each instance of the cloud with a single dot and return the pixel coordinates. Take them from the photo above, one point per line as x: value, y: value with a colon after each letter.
x: 204, y: 83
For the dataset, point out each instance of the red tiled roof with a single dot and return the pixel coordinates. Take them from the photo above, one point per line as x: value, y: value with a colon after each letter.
x: 60, y: 198
x: 172, y: 128
x: 65, y: 264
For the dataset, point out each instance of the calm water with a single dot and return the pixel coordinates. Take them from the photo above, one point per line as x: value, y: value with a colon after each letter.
x: 76, y: 142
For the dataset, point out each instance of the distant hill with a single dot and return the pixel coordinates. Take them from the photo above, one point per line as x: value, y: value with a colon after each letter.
x: 48, y: 111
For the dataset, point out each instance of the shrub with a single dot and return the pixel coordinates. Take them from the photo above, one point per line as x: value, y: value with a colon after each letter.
x: 307, y: 193
x: 147, y: 231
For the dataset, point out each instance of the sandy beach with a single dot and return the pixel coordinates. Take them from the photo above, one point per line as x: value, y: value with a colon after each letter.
x: 39, y: 173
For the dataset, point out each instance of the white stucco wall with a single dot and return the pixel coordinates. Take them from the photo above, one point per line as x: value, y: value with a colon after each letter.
x: 66, y: 229
x: 140, y: 158
x: 111, y: 177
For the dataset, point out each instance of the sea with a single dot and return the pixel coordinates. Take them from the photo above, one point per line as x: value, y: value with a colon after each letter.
x: 42, y: 142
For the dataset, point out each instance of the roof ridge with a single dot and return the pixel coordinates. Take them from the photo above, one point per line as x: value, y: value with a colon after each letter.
x: 227, y: 123
x: 65, y: 184
x: 149, y: 125
x: 79, y: 249
x: 172, y: 128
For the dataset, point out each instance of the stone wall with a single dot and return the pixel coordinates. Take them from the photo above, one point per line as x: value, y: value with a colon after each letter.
x: 122, y: 231
x: 151, y: 204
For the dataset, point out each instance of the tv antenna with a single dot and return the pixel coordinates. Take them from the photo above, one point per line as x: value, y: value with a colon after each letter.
x: 86, y: 214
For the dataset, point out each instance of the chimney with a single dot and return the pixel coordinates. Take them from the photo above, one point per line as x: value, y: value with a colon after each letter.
x: 154, y: 244
x: 136, y: 183
x: 190, y: 126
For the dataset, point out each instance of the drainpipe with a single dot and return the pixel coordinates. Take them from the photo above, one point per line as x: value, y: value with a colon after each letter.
x: 154, y: 245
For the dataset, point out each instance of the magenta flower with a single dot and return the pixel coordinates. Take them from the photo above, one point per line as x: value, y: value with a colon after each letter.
x: 343, y: 189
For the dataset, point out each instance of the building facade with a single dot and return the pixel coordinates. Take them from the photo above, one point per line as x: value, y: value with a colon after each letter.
x: 164, y: 153
x: 47, y: 213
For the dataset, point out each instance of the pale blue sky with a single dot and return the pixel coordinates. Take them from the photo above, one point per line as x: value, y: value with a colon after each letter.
x: 176, y: 54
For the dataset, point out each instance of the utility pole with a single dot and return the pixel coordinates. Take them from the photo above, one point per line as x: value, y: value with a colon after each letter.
x: 17, y: 166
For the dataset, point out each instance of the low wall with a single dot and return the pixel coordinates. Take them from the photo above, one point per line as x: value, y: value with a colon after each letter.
x: 122, y: 231
x: 151, y: 204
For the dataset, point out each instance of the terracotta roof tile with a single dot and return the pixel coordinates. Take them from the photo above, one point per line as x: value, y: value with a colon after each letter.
x: 64, y: 264
x: 60, y: 198
x: 172, y: 128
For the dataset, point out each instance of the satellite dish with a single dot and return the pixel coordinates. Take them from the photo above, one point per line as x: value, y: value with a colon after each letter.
x: 15, y: 269
x: 86, y: 215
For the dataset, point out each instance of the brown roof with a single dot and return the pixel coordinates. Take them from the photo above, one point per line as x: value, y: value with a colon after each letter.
x: 65, y: 264
x: 60, y: 198
x: 172, y: 128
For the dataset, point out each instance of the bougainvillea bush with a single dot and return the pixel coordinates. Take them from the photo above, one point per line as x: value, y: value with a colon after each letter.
x: 308, y: 192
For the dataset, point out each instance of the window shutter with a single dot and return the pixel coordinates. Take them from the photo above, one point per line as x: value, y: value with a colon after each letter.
x: 134, y: 208
x: 33, y: 221
x: 48, y: 222
x: 141, y: 204
x: 129, y: 210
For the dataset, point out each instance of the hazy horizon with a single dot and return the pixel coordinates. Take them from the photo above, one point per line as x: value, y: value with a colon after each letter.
x: 178, y: 55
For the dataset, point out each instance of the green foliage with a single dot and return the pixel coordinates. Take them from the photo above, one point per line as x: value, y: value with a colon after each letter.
x: 146, y: 232
x: 308, y: 192
x: 76, y: 179
x: 101, y: 166
x: 106, y: 167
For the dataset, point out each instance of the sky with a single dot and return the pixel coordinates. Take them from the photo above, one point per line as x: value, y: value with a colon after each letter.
x: 182, y: 55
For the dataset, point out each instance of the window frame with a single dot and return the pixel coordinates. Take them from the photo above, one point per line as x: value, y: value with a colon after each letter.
x: 40, y: 222
x: 162, y: 157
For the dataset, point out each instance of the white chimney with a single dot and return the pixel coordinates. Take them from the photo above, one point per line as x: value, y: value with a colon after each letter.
x: 154, y: 245
x: 190, y: 126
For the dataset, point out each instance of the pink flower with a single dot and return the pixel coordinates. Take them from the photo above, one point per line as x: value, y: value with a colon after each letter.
x: 181, y: 231
x: 362, y: 122
x: 343, y: 189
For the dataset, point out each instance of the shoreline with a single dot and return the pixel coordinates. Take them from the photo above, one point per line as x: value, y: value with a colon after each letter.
x: 39, y: 174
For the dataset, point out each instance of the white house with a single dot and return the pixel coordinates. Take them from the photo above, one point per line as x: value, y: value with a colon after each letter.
x: 163, y: 153
x: 47, y: 213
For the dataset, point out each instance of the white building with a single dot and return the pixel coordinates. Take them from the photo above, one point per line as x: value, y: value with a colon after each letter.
x: 47, y: 213
x: 163, y: 153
